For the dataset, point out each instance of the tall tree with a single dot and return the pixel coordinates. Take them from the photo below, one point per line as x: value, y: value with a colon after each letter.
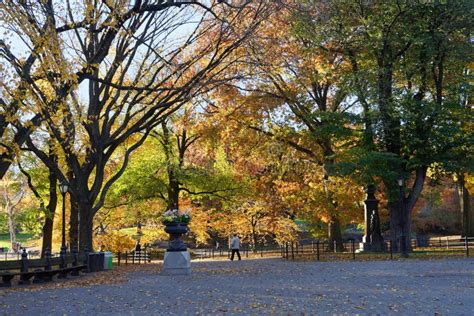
x: 400, y: 54
x: 299, y: 93
x: 47, y: 200
x: 134, y: 64
x: 12, y: 193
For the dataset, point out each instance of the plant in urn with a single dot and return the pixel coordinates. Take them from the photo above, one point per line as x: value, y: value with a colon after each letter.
x: 176, y: 224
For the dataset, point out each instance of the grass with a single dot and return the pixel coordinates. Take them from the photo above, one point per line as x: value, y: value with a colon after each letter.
x: 149, y: 234
x: 129, y: 231
x: 370, y: 256
x: 132, y: 231
x: 26, y: 240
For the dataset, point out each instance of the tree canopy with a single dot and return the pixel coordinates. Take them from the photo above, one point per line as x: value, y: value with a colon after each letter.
x: 253, y: 114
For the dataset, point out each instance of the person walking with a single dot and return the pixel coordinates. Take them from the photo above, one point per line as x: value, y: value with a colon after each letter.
x: 235, y: 246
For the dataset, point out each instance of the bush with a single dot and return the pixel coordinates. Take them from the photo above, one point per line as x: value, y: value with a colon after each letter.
x: 114, y: 241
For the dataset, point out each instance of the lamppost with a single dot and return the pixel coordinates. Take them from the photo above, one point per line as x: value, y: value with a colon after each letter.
x: 63, y: 187
x: 138, y: 237
x: 403, y: 248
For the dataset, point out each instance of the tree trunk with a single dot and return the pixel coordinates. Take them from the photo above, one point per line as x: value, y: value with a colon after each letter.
x: 410, y: 201
x: 334, y: 225
x: 49, y: 215
x: 47, y: 235
x: 254, y: 237
x: 467, y: 218
x: 9, y: 206
x: 173, y: 183
x: 85, y: 227
x: 73, y: 225
x: 402, y: 208
x: 407, y: 229
x: 395, y: 225
x: 400, y: 224
x: 334, y: 234
x: 173, y: 192
x: 5, y: 163
x: 11, y: 226
x: 73, y: 217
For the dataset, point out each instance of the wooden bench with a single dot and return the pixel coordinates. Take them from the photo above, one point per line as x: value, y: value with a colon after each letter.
x: 40, y: 276
x: 7, y: 279
x: 44, y: 271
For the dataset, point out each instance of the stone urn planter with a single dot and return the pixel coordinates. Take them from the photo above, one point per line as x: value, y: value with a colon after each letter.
x: 177, y: 259
x: 175, y: 230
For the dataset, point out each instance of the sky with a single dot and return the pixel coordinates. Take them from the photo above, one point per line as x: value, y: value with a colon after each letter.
x: 173, y: 38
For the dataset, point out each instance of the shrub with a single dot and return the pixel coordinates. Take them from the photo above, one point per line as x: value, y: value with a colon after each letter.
x: 114, y: 241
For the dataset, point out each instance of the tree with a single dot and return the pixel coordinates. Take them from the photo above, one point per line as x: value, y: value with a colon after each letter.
x: 297, y: 96
x: 405, y: 61
x: 182, y: 178
x: 464, y: 188
x: 437, y: 210
x: 177, y: 168
x: 166, y: 165
x: 262, y: 164
x: 12, y: 194
x: 134, y: 77
x: 44, y: 189
x: 310, y: 82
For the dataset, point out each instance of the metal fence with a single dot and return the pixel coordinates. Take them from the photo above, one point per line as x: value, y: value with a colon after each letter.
x: 14, y: 256
x: 149, y: 255
x: 134, y: 257
x: 322, y: 250
x: 310, y: 249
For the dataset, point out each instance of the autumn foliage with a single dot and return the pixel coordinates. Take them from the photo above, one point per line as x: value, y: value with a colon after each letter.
x: 263, y: 118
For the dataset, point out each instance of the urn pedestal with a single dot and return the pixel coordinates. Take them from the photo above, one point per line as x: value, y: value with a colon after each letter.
x: 177, y: 259
x: 177, y: 263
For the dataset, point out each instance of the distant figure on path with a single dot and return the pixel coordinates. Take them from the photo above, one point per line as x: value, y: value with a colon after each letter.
x: 235, y: 246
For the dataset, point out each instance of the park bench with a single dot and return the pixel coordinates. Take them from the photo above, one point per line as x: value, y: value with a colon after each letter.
x: 44, y: 271
x: 39, y: 276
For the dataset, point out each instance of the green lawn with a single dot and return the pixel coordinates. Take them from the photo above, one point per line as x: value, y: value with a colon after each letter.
x: 132, y: 231
x: 129, y: 231
x: 25, y: 239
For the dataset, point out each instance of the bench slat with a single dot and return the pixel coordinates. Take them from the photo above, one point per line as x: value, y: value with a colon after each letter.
x: 39, y: 276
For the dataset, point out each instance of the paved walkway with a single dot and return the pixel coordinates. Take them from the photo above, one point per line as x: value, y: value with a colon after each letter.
x: 267, y: 286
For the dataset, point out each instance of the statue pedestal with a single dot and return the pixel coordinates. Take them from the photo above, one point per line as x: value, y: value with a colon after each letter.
x: 372, y: 240
x: 177, y: 263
